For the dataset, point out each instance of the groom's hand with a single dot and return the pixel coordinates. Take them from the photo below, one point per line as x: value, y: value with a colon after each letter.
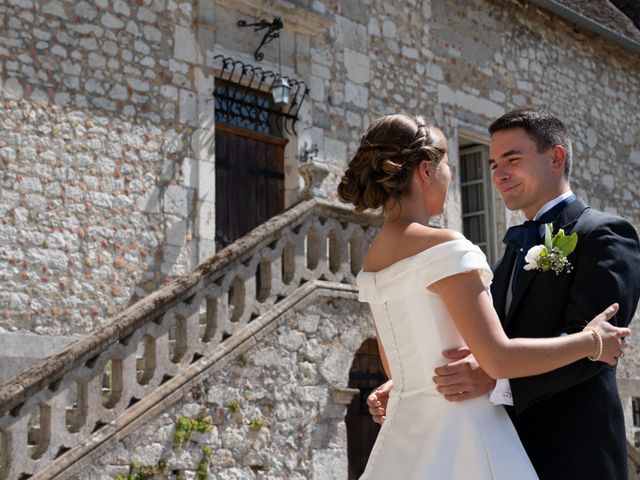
x: 377, y: 401
x: 462, y: 379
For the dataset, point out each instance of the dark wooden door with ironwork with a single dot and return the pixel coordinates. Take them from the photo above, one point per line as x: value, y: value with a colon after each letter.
x: 366, y: 374
x: 249, y: 180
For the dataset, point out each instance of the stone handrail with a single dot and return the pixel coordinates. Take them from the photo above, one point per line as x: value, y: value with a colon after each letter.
x: 65, y: 399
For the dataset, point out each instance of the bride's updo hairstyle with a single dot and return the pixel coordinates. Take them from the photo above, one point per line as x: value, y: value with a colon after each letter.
x: 389, y: 151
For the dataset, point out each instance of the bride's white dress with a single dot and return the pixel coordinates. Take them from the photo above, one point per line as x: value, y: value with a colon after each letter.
x: 424, y: 436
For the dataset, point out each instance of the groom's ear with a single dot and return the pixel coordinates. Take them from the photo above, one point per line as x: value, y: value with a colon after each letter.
x: 558, y: 157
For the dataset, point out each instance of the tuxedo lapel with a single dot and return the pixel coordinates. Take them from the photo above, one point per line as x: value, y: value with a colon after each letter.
x: 524, y: 281
x: 568, y: 216
x: 565, y: 219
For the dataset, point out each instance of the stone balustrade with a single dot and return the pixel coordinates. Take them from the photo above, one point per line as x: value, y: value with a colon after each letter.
x: 56, y: 412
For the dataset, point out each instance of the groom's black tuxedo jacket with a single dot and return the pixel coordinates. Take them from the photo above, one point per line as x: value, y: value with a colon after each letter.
x: 570, y: 420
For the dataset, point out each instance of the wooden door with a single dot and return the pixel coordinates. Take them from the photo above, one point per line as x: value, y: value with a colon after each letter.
x: 249, y: 181
x: 366, y: 374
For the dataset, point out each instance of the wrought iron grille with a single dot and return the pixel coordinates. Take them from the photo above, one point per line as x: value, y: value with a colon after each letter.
x: 242, y: 98
x: 240, y: 107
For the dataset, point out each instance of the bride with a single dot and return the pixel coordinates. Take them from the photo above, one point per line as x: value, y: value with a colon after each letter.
x: 428, y: 292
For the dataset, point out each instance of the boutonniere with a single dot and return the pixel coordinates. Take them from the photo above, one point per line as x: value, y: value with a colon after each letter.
x: 553, y: 254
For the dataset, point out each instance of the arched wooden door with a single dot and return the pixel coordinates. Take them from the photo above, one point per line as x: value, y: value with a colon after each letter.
x: 366, y: 374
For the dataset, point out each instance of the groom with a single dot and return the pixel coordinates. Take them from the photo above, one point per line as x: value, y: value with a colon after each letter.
x: 570, y: 420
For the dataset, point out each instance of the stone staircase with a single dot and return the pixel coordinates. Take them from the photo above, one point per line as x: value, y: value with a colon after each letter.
x: 70, y: 405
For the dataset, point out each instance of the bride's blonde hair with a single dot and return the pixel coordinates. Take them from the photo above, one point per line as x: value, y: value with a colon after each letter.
x: 389, y: 151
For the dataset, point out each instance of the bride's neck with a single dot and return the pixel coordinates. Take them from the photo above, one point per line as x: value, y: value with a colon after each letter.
x: 406, y: 211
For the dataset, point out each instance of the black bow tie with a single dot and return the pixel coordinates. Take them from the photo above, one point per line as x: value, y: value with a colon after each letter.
x: 522, y: 237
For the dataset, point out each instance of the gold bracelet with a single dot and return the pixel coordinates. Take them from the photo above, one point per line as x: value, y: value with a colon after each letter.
x: 598, y: 340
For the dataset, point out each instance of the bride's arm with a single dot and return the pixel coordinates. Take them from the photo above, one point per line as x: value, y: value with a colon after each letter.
x: 472, y: 311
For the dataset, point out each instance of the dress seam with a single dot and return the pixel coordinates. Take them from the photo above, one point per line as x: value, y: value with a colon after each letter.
x: 380, y: 439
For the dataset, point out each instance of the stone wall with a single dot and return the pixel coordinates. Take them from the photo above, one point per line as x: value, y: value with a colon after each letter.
x: 95, y: 215
x: 97, y: 201
x: 462, y: 64
x: 277, y: 410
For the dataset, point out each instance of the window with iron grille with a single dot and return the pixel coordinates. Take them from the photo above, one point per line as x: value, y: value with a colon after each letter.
x: 242, y: 107
x: 243, y: 98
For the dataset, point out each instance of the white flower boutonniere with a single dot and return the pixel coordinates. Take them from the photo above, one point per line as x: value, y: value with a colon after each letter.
x: 553, y: 254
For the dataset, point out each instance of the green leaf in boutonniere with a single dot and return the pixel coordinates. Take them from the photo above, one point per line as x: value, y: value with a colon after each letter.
x: 553, y: 254
x: 566, y: 244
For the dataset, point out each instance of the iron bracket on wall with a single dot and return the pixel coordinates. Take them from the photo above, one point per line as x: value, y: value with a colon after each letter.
x: 272, y: 32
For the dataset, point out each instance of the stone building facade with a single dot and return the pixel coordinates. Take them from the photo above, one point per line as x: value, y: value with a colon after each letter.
x: 108, y: 151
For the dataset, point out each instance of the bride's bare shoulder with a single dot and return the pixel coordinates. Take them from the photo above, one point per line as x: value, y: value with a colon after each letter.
x: 392, y: 246
x: 426, y: 237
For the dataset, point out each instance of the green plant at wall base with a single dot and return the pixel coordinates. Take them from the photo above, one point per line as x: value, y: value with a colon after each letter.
x: 143, y: 472
x: 234, y: 406
x: 258, y: 424
x: 185, y: 426
x: 202, y: 471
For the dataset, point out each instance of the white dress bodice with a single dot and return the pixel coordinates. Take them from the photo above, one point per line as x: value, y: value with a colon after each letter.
x: 425, y: 436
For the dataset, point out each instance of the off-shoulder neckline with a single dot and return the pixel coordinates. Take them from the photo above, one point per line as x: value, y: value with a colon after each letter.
x: 408, y: 259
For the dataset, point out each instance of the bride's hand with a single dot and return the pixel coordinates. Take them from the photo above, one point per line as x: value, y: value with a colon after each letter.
x: 613, y: 338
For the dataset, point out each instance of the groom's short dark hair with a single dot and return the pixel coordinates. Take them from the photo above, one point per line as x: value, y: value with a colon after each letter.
x: 544, y: 128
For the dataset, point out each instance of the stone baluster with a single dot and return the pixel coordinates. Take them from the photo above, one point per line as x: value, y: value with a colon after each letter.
x: 187, y: 325
x: 58, y: 439
x: 76, y: 413
x: 249, y: 291
x: 131, y: 391
x: 313, y: 250
x: 299, y: 259
x: 356, y: 252
x: 220, y: 312
x: 164, y: 366
x: 16, y: 433
x: 94, y: 404
x: 212, y: 333
x: 5, y: 453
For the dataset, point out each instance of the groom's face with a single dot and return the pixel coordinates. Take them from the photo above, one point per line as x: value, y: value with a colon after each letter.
x: 524, y: 177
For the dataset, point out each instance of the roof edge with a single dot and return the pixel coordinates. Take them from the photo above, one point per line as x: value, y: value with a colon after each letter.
x: 587, y: 23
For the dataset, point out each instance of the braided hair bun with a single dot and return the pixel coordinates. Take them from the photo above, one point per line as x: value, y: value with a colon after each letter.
x: 389, y: 151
